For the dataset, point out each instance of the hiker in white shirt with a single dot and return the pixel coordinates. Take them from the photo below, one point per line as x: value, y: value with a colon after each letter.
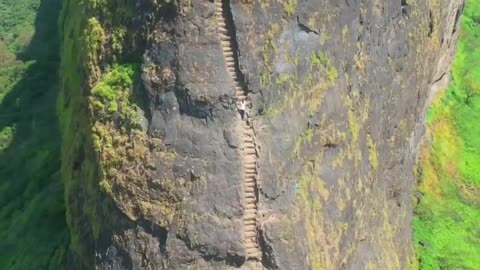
x: 241, y: 108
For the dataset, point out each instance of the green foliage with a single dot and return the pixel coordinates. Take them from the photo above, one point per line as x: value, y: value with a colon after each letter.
x: 289, y: 7
x: 6, y: 137
x: 32, y: 213
x: 16, y: 25
x: 115, y: 89
x: 446, y: 227
x: 322, y: 61
x: 97, y: 115
x: 106, y: 187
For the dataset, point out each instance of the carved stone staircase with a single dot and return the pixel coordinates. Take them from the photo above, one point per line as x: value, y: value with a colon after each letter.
x: 248, y: 146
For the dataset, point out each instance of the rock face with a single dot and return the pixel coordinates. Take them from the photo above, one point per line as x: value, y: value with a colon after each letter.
x: 337, y: 90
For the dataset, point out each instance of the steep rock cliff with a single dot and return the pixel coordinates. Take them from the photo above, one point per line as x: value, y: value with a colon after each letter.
x: 161, y: 172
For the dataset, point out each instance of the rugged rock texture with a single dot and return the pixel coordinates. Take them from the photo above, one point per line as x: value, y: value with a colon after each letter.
x: 337, y: 88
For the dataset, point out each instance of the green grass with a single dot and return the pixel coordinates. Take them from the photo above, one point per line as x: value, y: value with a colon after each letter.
x: 447, y: 225
x: 32, y: 214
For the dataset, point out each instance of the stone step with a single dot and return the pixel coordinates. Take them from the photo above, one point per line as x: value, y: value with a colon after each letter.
x: 250, y: 195
x: 248, y: 145
x: 250, y: 233
x: 250, y: 246
x: 250, y: 242
x: 250, y: 189
x: 225, y: 37
x: 249, y: 160
x: 249, y: 165
x: 251, y: 225
x: 252, y: 176
x: 248, y: 132
x: 223, y: 31
x: 250, y: 184
x: 250, y: 251
x: 225, y: 43
x: 251, y: 135
x: 250, y: 211
x: 250, y: 201
x: 250, y: 151
x: 255, y: 255
x: 249, y: 140
x: 218, y: 4
x: 251, y: 222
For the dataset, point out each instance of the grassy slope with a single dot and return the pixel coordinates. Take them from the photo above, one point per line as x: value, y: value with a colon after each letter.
x: 32, y: 215
x: 447, y: 227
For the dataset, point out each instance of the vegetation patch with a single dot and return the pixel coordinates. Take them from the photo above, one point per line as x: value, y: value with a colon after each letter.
x: 32, y: 213
x: 448, y: 213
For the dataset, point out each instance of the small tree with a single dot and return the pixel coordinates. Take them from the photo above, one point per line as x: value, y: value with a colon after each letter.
x: 472, y: 85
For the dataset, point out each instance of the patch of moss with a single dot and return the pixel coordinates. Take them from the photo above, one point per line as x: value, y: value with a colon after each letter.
x: 269, y: 49
x: 373, y: 153
x: 289, y: 7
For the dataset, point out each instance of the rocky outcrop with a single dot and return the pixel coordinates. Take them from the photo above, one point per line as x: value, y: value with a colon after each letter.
x: 319, y: 176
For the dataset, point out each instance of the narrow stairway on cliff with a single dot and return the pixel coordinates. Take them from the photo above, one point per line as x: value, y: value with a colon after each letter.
x: 248, y: 149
